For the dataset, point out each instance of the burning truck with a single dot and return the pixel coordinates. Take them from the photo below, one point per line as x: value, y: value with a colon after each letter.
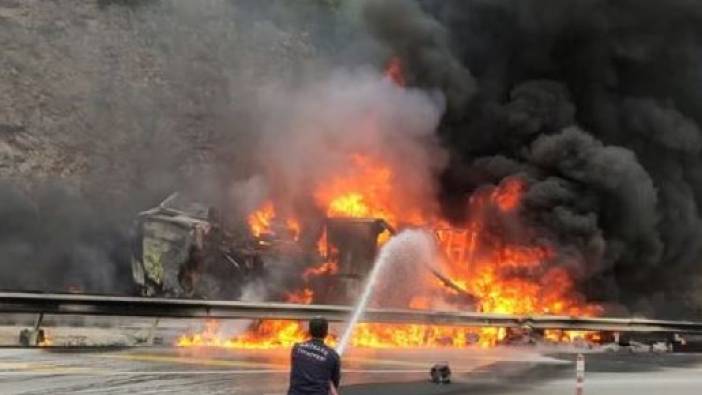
x: 182, y: 249
x: 349, y: 167
x: 486, y: 265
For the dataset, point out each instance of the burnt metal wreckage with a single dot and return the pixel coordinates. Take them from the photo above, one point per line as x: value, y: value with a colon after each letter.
x: 182, y: 249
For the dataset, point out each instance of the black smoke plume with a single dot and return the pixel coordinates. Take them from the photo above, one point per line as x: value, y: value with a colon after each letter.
x: 596, y: 104
x: 57, y: 241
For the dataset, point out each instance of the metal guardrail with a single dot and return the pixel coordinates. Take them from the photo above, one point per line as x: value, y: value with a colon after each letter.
x: 81, y: 304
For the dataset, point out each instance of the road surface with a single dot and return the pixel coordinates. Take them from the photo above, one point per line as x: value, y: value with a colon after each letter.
x: 168, y: 370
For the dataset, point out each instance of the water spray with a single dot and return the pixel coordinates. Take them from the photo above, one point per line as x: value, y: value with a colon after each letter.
x: 365, y: 297
x: 394, y: 246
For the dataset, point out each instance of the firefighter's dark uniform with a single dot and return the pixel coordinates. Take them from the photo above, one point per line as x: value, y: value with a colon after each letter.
x: 314, y: 366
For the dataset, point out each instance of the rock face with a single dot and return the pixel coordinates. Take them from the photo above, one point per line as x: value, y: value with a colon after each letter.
x: 117, y: 103
x: 113, y: 96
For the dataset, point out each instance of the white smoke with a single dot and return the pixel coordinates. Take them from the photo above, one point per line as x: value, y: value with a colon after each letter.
x: 409, y: 257
x: 311, y: 129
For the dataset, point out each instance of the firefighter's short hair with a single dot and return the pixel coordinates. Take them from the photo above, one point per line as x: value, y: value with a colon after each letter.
x: 319, y: 327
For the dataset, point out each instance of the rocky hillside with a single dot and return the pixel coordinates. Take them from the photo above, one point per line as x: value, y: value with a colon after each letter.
x: 106, y: 106
x: 117, y: 96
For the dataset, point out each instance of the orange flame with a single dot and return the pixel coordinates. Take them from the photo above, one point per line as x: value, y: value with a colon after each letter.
x: 394, y: 71
x: 302, y: 297
x: 262, y: 335
x: 506, y: 276
x: 509, y: 277
x: 508, y: 195
x: 46, y: 342
x: 561, y: 336
x: 326, y: 268
x: 293, y: 227
x: 366, y: 191
x: 262, y: 222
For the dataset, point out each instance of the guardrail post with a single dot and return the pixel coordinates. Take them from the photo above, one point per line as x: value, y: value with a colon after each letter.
x: 579, y: 374
x: 38, y: 320
x: 152, y: 332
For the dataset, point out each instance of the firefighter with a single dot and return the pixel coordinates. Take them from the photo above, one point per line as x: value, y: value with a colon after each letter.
x: 315, y: 367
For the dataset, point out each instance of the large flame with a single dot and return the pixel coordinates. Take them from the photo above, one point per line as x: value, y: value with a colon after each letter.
x: 326, y: 268
x: 366, y: 191
x: 261, y: 219
x: 262, y: 335
x: 505, y: 276
x: 507, y: 273
x: 512, y: 277
x: 264, y: 221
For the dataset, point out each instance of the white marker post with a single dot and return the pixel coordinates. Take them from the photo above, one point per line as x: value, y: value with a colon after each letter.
x: 579, y: 374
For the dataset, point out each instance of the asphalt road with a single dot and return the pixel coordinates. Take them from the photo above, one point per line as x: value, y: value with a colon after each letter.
x: 215, y: 371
